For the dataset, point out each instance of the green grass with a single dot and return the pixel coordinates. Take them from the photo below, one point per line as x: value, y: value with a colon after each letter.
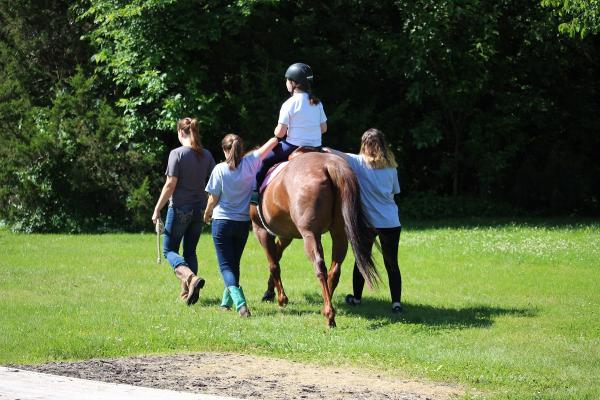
x: 511, y: 310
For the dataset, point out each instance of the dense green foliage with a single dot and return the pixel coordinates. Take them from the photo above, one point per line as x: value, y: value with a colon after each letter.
x: 481, y: 101
x: 510, y: 310
x: 76, y: 167
x: 581, y: 17
x: 68, y: 163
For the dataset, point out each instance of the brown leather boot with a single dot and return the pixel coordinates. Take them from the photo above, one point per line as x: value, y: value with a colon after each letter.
x: 184, y: 290
x: 193, y: 283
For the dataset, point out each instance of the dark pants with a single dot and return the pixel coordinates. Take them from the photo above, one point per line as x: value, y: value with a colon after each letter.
x: 280, y: 153
x: 389, y: 239
x: 230, y: 239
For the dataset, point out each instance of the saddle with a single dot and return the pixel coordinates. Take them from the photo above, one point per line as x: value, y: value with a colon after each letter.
x: 272, y: 173
x: 277, y: 168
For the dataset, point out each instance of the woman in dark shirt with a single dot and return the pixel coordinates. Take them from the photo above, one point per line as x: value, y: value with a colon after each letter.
x: 188, y: 170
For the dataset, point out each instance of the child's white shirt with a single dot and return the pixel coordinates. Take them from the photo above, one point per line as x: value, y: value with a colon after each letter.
x: 303, y: 120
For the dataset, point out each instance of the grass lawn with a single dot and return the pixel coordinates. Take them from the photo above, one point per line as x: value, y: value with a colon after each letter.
x: 511, y: 310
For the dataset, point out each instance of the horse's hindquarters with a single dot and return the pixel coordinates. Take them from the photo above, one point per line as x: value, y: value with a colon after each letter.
x: 307, y: 199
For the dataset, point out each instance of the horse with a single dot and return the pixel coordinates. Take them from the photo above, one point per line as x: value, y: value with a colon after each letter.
x: 315, y: 193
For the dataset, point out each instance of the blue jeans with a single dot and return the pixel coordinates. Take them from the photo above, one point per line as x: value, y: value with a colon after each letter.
x: 183, y: 223
x: 280, y: 153
x: 230, y: 239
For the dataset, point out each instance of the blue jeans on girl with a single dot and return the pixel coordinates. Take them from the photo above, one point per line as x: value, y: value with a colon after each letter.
x: 230, y: 239
x: 183, y: 223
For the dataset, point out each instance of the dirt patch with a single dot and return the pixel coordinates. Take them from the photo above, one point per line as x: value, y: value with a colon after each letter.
x: 249, y: 377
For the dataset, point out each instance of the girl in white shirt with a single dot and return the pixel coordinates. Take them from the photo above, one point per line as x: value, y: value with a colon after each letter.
x: 301, y: 118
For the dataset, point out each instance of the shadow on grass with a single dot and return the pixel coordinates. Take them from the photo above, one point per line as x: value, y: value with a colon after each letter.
x: 435, y: 317
x: 432, y: 316
x: 209, y: 301
x: 289, y: 310
x: 380, y: 314
x: 295, y: 306
x: 272, y: 308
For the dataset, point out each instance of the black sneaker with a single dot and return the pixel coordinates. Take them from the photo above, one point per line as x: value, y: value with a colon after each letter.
x: 351, y: 300
x: 396, y: 308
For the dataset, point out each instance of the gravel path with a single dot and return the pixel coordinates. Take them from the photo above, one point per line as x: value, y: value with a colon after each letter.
x: 249, y: 377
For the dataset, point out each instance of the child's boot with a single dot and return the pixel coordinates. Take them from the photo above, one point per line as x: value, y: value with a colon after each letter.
x: 184, y: 290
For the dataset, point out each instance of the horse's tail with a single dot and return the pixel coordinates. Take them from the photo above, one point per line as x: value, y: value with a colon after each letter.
x: 355, y: 223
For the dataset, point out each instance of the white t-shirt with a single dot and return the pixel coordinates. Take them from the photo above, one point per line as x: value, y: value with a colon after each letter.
x: 303, y: 120
x: 234, y: 188
x: 377, y: 190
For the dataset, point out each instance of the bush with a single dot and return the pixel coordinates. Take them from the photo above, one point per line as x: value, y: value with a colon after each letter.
x: 74, y: 167
x: 140, y: 204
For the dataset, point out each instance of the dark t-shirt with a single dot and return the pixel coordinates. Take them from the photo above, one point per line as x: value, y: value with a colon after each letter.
x: 192, y: 171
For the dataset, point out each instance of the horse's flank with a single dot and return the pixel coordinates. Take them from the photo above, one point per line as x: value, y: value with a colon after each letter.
x: 302, y: 187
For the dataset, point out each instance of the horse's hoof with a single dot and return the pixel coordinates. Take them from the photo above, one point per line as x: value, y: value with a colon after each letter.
x: 268, y: 296
x: 283, y: 302
x: 331, y: 324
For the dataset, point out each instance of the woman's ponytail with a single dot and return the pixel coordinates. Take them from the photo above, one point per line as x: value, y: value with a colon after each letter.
x: 234, y: 147
x: 190, y: 127
x: 195, y: 136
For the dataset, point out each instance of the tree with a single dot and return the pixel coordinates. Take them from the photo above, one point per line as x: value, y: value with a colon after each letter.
x: 580, y: 17
x: 66, y: 161
x: 75, y: 169
x: 478, y: 99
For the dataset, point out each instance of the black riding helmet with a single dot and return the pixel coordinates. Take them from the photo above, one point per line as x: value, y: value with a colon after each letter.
x: 299, y: 72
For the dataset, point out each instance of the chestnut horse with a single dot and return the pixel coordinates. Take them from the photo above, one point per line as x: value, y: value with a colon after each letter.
x: 313, y: 194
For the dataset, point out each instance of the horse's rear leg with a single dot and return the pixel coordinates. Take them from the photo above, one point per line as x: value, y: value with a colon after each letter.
x: 338, y: 254
x: 314, y: 251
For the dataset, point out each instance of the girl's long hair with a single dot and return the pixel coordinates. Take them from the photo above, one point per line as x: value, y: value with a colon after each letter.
x: 190, y: 127
x: 234, y: 146
x: 314, y: 100
x: 375, y: 150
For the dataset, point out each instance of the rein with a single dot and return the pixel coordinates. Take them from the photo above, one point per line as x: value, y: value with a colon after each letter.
x: 159, y: 228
